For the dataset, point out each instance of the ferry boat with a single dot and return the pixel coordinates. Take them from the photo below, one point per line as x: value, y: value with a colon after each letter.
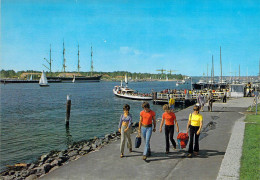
x: 125, y: 92
x: 180, y: 82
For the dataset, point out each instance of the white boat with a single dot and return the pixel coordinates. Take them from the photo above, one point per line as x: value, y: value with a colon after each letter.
x: 73, y: 80
x: 125, y: 92
x: 180, y: 82
x: 43, y: 81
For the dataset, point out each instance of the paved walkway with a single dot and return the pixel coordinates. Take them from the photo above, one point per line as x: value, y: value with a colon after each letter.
x: 106, y: 164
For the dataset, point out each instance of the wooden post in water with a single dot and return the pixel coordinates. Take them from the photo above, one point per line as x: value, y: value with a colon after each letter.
x: 68, y: 107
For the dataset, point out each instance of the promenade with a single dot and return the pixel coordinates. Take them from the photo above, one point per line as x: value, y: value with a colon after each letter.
x: 214, y: 140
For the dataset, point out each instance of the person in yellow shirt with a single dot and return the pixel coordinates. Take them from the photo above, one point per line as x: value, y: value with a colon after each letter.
x: 194, y: 124
x: 171, y: 103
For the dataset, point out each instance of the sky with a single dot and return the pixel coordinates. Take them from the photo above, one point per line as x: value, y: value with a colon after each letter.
x: 132, y: 35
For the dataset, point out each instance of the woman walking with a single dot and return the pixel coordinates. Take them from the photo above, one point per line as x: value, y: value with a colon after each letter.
x: 147, y: 118
x: 194, y: 124
x: 170, y: 119
x: 124, y: 128
x: 200, y: 100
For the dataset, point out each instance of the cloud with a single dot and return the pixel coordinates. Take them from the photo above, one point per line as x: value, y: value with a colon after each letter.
x: 129, y: 51
x: 155, y: 56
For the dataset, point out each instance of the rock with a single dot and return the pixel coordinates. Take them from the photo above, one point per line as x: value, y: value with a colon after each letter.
x: 73, y: 153
x: 31, y: 177
x: 94, y: 146
x: 44, y: 158
x: 11, y: 173
x: 86, y: 148
x: 47, y: 167
x: 49, y: 160
x: 32, y: 171
x: 108, y: 136
x: 31, y: 166
x: 56, y: 162
x: 9, y: 177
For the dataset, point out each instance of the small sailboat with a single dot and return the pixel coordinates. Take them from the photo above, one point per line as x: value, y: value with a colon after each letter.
x: 73, y: 80
x: 43, y: 81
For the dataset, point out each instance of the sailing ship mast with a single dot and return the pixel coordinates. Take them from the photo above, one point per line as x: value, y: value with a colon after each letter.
x: 91, y: 61
x: 49, y: 62
x: 78, y: 59
x: 64, y: 60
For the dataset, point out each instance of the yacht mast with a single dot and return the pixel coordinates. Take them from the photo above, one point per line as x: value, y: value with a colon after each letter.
x: 220, y: 66
x: 207, y: 73
x: 91, y: 61
x: 78, y: 59
x: 64, y: 60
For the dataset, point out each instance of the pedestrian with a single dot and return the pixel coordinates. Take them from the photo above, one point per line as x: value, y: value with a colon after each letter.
x: 172, y: 103
x: 147, y: 118
x: 210, y: 101
x: 225, y: 96
x: 200, y: 100
x: 194, y: 126
x: 170, y: 119
x: 124, y: 128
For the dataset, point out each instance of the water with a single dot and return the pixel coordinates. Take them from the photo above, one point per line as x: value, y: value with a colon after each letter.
x: 33, y: 117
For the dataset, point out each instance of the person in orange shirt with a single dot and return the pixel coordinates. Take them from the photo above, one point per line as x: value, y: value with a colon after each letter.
x: 170, y: 119
x: 147, y: 118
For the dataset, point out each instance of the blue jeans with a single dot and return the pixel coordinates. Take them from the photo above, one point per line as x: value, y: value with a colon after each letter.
x: 147, y: 133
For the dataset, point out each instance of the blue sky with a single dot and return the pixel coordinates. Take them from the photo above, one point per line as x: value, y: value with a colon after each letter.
x: 134, y: 35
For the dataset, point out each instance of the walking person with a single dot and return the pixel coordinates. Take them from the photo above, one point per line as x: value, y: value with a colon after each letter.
x: 225, y: 96
x: 170, y: 119
x: 147, y: 118
x: 200, y: 100
x: 194, y: 125
x: 124, y: 128
x: 172, y: 103
x: 210, y: 101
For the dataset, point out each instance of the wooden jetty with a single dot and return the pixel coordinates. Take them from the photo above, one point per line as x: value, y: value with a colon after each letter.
x: 183, y: 97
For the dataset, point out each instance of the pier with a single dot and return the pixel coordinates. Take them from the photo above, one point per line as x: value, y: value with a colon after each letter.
x: 184, y: 97
x: 105, y: 163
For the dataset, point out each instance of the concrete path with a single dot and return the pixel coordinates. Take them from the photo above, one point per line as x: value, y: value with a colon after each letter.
x: 106, y: 163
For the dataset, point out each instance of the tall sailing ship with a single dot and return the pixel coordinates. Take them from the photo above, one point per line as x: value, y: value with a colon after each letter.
x: 75, y: 77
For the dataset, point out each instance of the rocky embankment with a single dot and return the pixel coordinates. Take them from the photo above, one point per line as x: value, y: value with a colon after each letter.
x: 55, y: 159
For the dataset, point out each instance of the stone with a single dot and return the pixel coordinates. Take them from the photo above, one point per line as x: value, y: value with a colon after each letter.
x: 73, y: 153
x: 56, y: 162
x: 44, y: 158
x: 11, y: 172
x: 32, y: 171
x: 32, y: 166
x: 49, y: 160
x: 86, y: 148
x: 47, y: 167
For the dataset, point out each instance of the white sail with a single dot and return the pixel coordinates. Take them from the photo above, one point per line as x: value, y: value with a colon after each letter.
x: 43, y: 81
x: 31, y: 78
x: 73, y: 80
x: 126, y: 79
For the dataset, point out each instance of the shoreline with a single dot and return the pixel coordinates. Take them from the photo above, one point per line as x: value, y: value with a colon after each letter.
x: 57, y: 158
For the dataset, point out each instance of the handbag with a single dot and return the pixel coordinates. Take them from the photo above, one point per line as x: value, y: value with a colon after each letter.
x: 138, y: 141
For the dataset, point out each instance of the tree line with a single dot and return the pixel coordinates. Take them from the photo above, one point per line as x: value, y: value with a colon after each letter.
x: 105, y: 75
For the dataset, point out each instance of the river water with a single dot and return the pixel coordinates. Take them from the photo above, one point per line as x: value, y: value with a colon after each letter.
x: 33, y: 117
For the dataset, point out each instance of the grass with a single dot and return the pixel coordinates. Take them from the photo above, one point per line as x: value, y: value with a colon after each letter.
x: 250, y: 161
